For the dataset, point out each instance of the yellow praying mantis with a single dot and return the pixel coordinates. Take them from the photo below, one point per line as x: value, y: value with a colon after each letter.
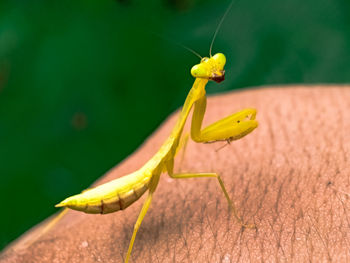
x: 120, y: 193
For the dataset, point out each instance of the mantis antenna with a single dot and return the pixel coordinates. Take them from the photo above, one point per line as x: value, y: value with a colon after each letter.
x: 219, y: 25
x: 190, y: 49
x: 178, y: 44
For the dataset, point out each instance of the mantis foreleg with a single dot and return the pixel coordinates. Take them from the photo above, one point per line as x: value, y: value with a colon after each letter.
x: 233, y: 127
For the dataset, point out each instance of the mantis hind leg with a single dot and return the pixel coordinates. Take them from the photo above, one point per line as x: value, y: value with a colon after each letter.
x: 214, y: 175
x: 152, y: 187
x: 233, y: 127
x: 138, y: 223
x: 36, y: 233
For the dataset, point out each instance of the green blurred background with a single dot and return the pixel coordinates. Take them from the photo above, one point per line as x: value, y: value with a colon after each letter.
x: 83, y: 83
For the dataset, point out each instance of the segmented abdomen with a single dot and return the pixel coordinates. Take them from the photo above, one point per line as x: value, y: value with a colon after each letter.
x: 119, y: 202
x: 109, y: 197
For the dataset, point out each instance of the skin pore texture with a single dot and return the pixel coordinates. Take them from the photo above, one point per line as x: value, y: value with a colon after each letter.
x: 290, y: 177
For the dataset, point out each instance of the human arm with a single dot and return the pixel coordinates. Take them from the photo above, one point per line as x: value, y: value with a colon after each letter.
x: 290, y: 177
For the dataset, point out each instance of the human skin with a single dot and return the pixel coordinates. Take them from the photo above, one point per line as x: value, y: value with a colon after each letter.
x: 290, y: 177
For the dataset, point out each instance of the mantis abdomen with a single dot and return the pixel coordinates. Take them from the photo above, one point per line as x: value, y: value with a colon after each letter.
x: 109, y: 197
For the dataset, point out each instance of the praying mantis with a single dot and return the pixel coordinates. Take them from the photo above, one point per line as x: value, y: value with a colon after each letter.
x: 120, y: 193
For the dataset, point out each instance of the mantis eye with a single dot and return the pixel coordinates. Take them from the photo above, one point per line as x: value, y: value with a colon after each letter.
x: 205, y: 59
x: 199, y: 71
x: 220, y: 60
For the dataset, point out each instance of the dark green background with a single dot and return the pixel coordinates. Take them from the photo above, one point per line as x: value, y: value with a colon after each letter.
x: 83, y: 83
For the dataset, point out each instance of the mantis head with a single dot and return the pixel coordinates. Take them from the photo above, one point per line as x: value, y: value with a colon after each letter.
x: 210, y: 68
